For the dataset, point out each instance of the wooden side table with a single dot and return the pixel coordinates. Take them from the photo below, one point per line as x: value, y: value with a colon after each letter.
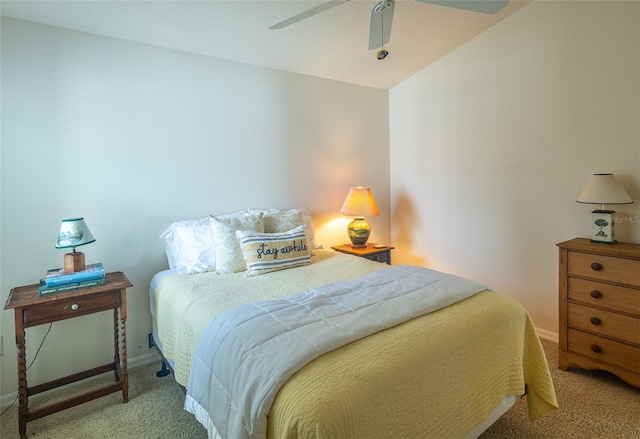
x: 31, y: 310
x: 370, y: 252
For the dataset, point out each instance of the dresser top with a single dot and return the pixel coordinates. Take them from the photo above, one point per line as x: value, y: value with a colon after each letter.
x: 620, y: 249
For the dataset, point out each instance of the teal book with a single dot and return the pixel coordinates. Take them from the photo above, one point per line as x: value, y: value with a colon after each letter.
x: 43, y: 289
x: 57, y: 276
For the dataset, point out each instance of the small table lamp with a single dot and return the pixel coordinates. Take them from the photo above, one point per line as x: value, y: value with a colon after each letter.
x: 74, y: 233
x: 603, y: 189
x: 359, y: 203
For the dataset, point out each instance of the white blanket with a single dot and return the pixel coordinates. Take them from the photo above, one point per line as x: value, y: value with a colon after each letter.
x: 246, y: 354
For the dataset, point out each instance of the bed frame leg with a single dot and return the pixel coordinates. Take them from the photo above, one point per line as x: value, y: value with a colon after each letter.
x: 164, y: 371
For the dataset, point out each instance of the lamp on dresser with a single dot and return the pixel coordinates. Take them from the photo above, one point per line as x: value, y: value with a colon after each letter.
x: 74, y: 232
x: 603, y: 189
x: 359, y: 203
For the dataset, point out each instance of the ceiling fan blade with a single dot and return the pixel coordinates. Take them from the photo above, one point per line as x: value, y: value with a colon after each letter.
x: 483, y: 6
x: 308, y: 13
x: 380, y: 25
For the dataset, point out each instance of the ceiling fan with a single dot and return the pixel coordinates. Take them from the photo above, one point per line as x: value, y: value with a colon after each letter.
x: 382, y: 15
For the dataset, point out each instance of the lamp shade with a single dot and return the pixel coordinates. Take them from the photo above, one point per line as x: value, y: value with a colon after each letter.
x: 604, y: 189
x: 360, y: 202
x: 74, y: 232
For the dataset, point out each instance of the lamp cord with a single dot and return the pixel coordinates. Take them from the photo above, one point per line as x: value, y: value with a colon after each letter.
x: 29, y: 366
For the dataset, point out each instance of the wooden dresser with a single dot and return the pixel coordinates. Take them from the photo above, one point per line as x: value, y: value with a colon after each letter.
x: 600, y: 307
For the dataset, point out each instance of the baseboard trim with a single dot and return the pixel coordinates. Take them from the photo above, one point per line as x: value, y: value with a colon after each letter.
x: 140, y: 360
x: 547, y: 335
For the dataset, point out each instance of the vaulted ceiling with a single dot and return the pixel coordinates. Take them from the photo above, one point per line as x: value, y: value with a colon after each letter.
x: 330, y: 45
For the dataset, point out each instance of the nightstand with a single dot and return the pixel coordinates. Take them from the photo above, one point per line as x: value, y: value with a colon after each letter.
x: 375, y: 254
x: 30, y: 309
x: 600, y: 307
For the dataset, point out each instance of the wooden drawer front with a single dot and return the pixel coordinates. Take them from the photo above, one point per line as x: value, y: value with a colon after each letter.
x: 66, y: 309
x: 379, y: 257
x: 613, y: 297
x: 619, y: 270
x: 604, y: 323
x: 608, y: 351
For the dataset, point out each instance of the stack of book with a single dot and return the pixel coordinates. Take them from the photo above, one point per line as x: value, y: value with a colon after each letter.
x: 57, y: 281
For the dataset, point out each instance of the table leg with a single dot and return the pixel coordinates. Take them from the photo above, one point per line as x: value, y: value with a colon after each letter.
x: 123, y: 329
x: 116, y: 346
x: 125, y: 372
x: 22, y: 375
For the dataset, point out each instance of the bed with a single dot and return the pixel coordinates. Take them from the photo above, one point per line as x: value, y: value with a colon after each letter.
x: 450, y: 372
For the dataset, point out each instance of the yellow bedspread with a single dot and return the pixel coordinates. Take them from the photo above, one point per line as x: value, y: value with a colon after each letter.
x: 434, y: 377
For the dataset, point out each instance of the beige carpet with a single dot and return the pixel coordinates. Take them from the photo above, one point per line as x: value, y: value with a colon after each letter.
x: 593, y: 405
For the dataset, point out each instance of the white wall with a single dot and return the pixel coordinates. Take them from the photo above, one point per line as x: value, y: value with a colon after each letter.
x: 134, y: 137
x: 491, y: 145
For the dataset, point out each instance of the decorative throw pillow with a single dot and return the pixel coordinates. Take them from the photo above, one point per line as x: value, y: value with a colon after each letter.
x: 229, y: 257
x: 267, y: 252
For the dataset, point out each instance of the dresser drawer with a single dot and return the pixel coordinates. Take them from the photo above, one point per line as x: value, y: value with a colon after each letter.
x: 604, y: 323
x: 606, y: 268
x: 613, y: 297
x: 607, y: 351
x: 68, y: 308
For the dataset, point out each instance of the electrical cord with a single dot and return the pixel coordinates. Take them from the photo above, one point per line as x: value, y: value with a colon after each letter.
x: 29, y: 366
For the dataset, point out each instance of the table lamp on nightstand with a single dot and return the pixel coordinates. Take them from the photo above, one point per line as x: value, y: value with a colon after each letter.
x: 359, y: 203
x: 603, y: 189
x: 74, y: 232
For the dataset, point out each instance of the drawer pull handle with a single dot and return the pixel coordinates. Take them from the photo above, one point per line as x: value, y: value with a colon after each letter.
x: 595, y: 348
x: 74, y: 307
x: 596, y: 267
x: 596, y: 321
x: 596, y: 294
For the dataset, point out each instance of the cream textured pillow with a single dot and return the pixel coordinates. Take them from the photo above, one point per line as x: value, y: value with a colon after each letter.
x: 281, y: 222
x: 267, y: 252
x: 229, y: 257
x: 306, y: 217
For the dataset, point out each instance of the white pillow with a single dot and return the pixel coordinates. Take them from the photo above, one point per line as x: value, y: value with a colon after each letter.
x: 189, y: 244
x: 310, y: 223
x: 229, y: 257
x: 267, y: 252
